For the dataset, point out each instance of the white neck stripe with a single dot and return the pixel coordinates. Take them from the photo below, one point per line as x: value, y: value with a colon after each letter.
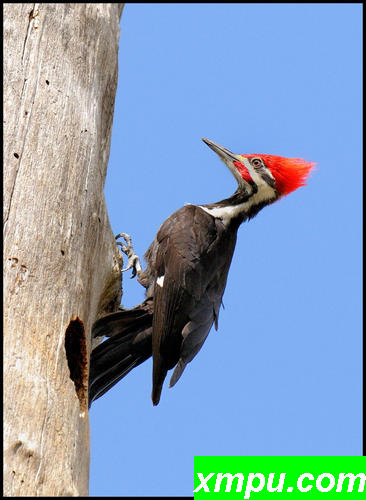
x: 229, y: 212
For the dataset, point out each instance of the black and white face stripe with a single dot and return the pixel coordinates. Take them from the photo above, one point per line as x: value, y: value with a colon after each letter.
x: 258, y: 170
x: 257, y: 194
x: 254, y: 190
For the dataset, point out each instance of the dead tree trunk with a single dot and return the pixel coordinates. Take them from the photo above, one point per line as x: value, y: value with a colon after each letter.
x: 59, y: 252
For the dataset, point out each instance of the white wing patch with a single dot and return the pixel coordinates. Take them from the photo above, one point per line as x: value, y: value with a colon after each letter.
x: 160, y: 281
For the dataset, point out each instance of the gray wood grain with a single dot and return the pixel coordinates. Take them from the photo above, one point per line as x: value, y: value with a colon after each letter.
x: 60, y: 260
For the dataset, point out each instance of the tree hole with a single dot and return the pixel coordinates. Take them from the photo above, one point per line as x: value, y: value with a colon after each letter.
x: 76, y: 353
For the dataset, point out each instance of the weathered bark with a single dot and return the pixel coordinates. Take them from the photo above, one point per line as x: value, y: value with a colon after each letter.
x: 59, y: 251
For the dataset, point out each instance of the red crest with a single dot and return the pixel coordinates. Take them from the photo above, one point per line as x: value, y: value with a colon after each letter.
x: 289, y: 173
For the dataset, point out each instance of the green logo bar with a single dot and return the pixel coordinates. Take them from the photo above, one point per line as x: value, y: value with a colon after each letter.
x: 295, y: 477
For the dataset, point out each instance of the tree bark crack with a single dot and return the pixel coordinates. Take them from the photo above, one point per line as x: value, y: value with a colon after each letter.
x: 33, y: 23
x: 24, y: 100
x: 36, y: 482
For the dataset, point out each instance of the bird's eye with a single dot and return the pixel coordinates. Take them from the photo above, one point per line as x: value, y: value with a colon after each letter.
x: 256, y: 162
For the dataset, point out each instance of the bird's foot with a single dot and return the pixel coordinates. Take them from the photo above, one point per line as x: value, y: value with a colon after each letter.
x: 133, y: 260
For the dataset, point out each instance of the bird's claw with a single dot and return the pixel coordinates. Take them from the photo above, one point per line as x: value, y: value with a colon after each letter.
x: 133, y: 260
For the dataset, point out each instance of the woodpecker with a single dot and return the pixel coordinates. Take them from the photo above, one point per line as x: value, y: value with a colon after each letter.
x: 186, y: 273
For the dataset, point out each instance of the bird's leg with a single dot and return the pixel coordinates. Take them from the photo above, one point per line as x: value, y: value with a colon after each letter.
x: 133, y: 260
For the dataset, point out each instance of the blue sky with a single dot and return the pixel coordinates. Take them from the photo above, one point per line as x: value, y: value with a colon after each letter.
x: 282, y: 376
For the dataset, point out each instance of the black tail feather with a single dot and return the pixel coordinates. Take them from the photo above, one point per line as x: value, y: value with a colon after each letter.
x: 128, y: 346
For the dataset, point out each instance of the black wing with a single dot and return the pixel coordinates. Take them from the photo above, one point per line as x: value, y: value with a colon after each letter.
x: 191, y: 255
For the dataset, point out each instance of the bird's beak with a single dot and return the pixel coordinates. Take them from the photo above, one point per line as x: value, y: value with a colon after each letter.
x: 228, y: 158
x: 224, y: 153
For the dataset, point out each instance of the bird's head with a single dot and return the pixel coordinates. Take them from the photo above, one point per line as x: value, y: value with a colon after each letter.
x: 268, y: 177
